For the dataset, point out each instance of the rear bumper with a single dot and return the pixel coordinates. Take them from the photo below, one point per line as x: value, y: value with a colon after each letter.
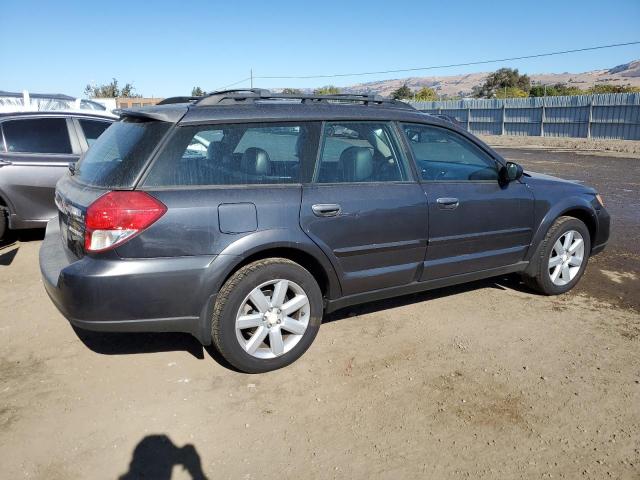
x: 134, y: 295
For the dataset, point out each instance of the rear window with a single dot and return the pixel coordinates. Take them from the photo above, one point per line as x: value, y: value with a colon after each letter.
x: 117, y: 156
x: 239, y: 154
x: 37, y: 135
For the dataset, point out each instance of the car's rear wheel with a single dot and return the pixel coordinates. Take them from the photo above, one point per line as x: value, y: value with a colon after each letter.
x: 266, y: 315
x: 3, y: 223
x: 563, y: 257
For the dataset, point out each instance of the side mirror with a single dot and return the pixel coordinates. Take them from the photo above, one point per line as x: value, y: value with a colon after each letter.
x: 510, y: 172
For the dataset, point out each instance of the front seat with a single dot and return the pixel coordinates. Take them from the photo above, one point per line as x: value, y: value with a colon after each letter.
x: 356, y: 164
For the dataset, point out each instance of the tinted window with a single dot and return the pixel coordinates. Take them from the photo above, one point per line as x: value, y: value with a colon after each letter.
x: 359, y: 152
x: 116, y: 157
x: 443, y: 155
x: 37, y: 135
x: 92, y: 129
x: 266, y: 153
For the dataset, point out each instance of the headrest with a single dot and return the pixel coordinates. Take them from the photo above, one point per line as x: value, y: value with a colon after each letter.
x: 255, y: 161
x: 357, y: 164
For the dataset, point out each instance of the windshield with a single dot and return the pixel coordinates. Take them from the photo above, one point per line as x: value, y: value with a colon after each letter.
x: 117, y: 156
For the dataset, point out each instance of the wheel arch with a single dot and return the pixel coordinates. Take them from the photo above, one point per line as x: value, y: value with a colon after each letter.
x: 575, y: 207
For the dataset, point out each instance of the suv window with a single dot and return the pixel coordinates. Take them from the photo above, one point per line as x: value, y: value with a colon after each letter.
x: 92, y: 129
x: 37, y: 135
x: 443, y: 155
x: 261, y: 153
x: 360, y: 152
x: 118, y: 155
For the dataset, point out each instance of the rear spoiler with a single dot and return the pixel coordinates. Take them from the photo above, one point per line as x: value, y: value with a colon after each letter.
x: 171, y: 113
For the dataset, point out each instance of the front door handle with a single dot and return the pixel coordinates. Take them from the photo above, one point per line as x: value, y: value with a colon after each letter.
x: 326, y: 209
x: 4, y: 163
x: 448, y: 203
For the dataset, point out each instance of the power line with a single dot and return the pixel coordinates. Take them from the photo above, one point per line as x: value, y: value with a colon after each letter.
x: 548, y: 54
x: 232, y: 84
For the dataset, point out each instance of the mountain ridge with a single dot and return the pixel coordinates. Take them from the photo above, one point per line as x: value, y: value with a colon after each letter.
x: 462, y: 85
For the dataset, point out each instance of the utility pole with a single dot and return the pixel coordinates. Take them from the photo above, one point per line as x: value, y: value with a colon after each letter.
x: 251, y: 76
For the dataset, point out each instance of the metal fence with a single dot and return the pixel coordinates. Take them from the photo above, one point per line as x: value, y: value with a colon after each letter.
x: 611, y: 116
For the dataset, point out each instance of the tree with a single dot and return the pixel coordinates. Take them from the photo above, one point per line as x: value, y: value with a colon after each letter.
x: 292, y: 91
x: 511, y: 92
x: 559, y: 89
x: 402, y: 92
x: 426, y: 94
x: 501, y: 79
x: 327, y: 90
x: 197, y: 92
x: 613, y: 89
x: 110, y: 90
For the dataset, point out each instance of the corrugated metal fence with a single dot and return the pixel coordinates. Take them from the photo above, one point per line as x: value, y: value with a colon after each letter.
x: 613, y: 116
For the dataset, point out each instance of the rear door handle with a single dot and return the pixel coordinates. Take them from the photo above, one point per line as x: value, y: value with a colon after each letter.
x: 448, y: 203
x: 4, y: 163
x: 326, y: 209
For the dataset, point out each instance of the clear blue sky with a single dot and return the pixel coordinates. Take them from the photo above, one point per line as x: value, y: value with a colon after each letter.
x: 165, y: 48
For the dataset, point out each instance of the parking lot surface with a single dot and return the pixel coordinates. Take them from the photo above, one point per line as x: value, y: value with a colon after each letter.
x: 486, y: 380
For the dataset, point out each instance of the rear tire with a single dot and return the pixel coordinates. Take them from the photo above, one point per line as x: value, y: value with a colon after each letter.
x: 562, y: 257
x: 3, y: 224
x: 266, y: 315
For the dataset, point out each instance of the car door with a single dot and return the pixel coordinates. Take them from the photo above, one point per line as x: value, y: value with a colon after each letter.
x: 37, y: 153
x: 476, y: 223
x: 364, y: 208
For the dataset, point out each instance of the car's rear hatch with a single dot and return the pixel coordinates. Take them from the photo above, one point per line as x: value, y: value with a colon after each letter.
x: 114, y: 162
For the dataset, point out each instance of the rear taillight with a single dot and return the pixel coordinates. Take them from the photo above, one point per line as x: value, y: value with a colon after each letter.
x: 116, y: 217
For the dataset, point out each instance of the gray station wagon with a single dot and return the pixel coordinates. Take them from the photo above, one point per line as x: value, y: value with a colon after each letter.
x: 243, y: 216
x: 36, y: 149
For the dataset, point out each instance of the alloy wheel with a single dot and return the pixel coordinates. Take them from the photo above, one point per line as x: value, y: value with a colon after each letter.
x: 566, y: 258
x: 272, y: 319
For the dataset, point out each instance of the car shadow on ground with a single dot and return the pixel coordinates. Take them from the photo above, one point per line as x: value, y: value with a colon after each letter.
x: 8, y: 252
x: 111, y: 343
x: 155, y: 457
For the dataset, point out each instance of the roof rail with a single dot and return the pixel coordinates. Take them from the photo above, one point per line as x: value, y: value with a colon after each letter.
x: 185, y: 99
x: 252, y: 95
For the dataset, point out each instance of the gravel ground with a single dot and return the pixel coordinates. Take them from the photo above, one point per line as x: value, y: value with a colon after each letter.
x: 597, y: 146
x: 486, y: 380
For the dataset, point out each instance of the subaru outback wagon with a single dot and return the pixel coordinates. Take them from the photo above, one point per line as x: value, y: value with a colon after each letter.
x: 243, y: 216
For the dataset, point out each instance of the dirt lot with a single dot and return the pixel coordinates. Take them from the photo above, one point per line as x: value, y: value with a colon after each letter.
x: 482, y: 381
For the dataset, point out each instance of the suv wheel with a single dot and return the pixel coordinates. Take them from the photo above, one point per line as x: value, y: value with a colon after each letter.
x: 266, y: 315
x: 3, y: 223
x: 563, y: 257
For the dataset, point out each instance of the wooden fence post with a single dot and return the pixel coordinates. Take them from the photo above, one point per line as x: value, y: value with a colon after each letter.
x: 504, y: 112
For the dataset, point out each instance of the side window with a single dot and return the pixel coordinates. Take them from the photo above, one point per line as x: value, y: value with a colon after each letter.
x: 263, y: 153
x: 360, y: 152
x: 442, y: 155
x: 37, y: 135
x: 92, y: 129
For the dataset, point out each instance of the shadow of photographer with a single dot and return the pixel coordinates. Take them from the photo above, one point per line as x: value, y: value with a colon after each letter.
x: 155, y: 456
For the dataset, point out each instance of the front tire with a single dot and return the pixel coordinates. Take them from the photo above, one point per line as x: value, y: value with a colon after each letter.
x: 562, y: 258
x: 266, y: 315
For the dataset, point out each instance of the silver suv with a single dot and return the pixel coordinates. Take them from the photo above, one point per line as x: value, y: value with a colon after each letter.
x: 36, y: 149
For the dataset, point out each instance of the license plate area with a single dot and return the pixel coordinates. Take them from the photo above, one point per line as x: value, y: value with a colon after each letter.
x: 71, y: 220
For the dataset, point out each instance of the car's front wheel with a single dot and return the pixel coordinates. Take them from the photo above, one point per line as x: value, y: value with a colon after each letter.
x: 266, y: 315
x: 562, y: 257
